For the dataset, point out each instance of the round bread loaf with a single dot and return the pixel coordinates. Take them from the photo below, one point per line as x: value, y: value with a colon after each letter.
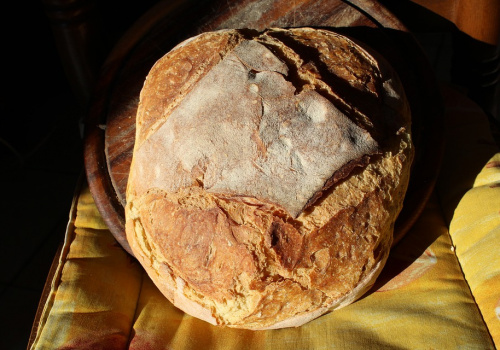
x: 267, y: 174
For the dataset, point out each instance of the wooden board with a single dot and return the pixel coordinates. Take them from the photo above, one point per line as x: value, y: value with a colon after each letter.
x: 110, y: 126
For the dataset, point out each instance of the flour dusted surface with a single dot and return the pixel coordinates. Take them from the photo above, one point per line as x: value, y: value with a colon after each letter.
x: 244, y: 129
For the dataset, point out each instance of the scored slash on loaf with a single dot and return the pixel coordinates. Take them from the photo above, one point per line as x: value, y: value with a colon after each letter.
x: 267, y: 174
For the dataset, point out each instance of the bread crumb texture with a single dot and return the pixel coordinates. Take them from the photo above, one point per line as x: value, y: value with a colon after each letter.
x: 267, y: 174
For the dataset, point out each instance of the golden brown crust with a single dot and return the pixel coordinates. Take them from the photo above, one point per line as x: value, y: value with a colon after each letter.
x: 243, y: 254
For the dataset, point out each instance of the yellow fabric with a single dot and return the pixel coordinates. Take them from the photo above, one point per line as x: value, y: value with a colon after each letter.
x: 105, y: 300
x: 470, y: 196
x: 475, y: 230
x: 437, y: 291
x: 96, y: 292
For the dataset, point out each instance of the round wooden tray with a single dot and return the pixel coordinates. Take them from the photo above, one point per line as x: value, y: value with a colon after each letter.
x: 110, y: 126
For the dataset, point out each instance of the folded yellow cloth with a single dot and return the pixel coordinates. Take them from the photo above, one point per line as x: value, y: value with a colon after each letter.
x: 437, y: 291
x: 475, y: 230
x: 470, y: 196
x: 103, y: 299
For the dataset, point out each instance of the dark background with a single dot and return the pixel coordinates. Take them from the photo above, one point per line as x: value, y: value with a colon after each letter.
x: 40, y: 154
x: 41, y: 144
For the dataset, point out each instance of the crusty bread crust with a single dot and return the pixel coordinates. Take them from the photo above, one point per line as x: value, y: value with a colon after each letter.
x: 268, y: 171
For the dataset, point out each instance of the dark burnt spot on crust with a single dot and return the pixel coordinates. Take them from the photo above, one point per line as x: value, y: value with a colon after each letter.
x: 286, y: 242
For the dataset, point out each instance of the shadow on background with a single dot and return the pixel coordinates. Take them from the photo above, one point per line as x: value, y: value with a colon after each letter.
x: 474, y: 64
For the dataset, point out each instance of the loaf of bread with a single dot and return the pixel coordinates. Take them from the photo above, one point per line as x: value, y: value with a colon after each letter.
x: 267, y: 174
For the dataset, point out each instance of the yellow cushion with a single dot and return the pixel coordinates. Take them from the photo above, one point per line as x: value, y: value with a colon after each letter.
x: 102, y: 298
x: 475, y: 230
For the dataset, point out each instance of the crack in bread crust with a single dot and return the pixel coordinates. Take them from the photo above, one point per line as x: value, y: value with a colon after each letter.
x: 325, y: 252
